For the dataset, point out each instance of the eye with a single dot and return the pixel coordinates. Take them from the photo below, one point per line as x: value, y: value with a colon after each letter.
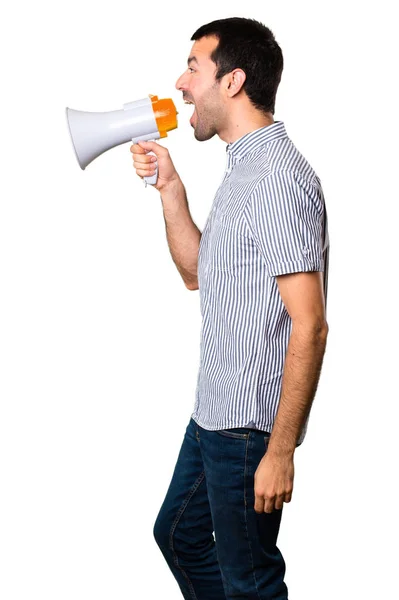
x: 190, y: 69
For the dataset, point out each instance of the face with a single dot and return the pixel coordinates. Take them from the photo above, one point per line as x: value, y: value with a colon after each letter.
x: 200, y: 88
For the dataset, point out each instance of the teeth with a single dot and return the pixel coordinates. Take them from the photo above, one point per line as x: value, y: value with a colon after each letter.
x: 188, y: 102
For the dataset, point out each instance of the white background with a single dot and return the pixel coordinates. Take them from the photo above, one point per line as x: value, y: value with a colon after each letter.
x: 100, y: 338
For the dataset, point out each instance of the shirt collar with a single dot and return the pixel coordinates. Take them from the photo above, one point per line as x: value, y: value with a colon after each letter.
x: 255, y: 139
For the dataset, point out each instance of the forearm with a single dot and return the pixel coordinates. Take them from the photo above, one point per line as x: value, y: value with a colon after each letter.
x: 302, y: 369
x: 182, y: 234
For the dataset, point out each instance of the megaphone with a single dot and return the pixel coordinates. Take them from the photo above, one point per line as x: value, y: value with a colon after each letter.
x: 93, y: 133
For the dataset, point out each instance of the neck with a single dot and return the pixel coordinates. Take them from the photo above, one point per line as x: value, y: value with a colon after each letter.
x: 243, y: 120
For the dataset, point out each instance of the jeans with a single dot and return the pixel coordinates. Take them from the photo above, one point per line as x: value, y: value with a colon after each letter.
x: 213, y: 541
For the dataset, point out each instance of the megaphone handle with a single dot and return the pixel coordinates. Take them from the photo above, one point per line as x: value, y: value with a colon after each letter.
x: 153, y: 178
x: 149, y: 137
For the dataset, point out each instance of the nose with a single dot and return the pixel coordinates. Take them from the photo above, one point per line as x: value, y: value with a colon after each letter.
x: 181, y: 82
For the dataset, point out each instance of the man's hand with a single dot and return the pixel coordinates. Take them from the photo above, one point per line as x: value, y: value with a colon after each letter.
x: 145, y: 163
x: 274, y: 482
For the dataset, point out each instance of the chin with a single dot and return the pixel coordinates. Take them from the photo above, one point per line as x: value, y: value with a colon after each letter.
x: 203, y: 136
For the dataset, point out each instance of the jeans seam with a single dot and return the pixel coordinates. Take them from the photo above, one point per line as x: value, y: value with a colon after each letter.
x: 174, y: 525
x: 246, y: 520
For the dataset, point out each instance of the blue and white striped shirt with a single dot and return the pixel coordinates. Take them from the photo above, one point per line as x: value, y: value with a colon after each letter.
x: 268, y: 218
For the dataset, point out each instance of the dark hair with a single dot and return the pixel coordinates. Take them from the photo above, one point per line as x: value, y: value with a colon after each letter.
x: 248, y: 45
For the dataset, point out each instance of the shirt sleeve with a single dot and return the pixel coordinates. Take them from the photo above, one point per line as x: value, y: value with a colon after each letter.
x: 286, y: 220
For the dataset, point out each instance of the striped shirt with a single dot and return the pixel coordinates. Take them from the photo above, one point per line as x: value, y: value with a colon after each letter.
x: 268, y: 218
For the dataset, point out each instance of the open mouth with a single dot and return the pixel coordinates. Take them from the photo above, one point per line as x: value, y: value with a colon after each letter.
x: 193, y: 115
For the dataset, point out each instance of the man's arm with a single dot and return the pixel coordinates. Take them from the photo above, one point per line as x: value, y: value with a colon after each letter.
x: 302, y: 294
x: 182, y: 234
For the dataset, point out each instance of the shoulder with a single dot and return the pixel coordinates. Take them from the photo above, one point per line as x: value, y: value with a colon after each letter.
x: 288, y: 191
x: 280, y: 159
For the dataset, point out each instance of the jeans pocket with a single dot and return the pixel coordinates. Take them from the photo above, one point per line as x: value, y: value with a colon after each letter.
x: 236, y: 433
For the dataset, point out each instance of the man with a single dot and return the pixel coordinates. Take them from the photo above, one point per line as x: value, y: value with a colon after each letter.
x: 260, y: 265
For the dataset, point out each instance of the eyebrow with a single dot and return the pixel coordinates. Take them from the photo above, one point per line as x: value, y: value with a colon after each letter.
x: 192, y: 59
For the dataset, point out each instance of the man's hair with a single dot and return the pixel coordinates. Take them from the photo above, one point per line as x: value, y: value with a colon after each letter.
x: 248, y: 45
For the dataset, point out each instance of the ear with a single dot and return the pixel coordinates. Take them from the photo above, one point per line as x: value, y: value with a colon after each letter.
x: 234, y: 82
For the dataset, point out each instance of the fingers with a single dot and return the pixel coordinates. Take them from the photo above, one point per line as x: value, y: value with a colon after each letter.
x: 267, y: 505
x: 279, y: 501
x: 143, y: 163
x: 145, y: 169
x: 144, y: 147
x: 259, y: 504
x: 153, y: 147
x: 140, y: 155
x: 264, y: 504
x: 136, y: 149
x: 287, y: 497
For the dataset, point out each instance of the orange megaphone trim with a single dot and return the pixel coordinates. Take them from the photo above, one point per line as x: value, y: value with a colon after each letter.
x: 165, y: 114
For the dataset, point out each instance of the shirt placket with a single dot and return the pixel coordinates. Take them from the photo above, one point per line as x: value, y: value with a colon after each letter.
x: 229, y: 167
x: 230, y: 162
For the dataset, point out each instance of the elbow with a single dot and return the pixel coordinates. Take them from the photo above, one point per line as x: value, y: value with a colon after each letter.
x: 313, y: 328
x: 192, y: 284
x: 320, y: 330
x: 324, y: 329
x: 322, y: 334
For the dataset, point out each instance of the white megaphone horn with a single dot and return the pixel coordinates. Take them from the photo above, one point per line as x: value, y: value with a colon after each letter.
x: 93, y: 133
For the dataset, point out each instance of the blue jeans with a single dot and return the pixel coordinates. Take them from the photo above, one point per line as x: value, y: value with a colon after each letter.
x: 212, y: 490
